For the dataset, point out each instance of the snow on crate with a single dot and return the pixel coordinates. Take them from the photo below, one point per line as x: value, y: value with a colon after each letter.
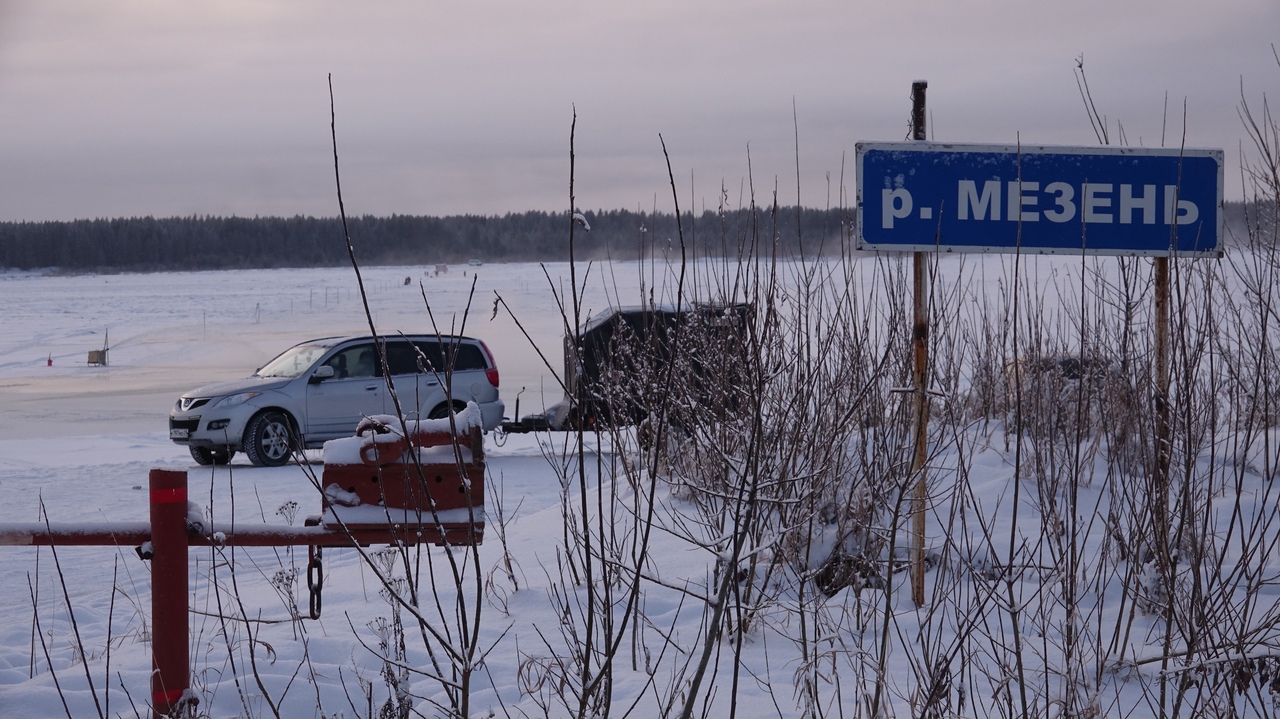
x: 380, y: 438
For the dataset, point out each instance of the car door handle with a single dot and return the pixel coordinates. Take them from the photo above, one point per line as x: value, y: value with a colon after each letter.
x: 371, y: 388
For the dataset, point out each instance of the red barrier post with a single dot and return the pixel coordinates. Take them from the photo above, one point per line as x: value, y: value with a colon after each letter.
x: 170, y: 656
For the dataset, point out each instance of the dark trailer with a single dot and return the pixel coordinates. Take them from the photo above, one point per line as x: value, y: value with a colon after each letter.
x: 627, y: 369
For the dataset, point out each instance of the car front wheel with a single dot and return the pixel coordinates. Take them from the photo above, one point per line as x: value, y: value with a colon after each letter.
x: 269, y: 439
x: 205, y: 456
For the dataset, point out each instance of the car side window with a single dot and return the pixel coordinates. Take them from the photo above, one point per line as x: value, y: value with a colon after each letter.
x: 431, y: 356
x: 359, y: 361
x: 465, y: 356
x: 340, y: 364
x: 402, y: 358
x: 469, y: 357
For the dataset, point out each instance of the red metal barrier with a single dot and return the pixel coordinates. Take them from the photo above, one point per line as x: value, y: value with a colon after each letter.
x: 170, y: 665
x: 389, y: 500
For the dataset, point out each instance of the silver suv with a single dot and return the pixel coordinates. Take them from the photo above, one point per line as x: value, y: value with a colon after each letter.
x: 319, y: 390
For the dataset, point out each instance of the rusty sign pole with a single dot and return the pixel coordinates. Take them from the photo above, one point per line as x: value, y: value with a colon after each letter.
x: 920, y: 352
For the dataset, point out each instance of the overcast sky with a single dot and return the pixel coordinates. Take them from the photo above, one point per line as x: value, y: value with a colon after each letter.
x: 157, y: 107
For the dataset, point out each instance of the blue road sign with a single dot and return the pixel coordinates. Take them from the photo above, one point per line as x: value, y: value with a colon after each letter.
x: 927, y: 196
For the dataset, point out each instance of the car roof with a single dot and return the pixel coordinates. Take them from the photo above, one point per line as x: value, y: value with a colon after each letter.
x: 332, y: 341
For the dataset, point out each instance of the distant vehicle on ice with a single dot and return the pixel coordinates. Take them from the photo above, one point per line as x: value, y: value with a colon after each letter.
x: 320, y: 390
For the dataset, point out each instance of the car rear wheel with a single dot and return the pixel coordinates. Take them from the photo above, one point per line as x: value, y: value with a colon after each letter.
x: 269, y: 439
x: 441, y: 410
x: 206, y: 456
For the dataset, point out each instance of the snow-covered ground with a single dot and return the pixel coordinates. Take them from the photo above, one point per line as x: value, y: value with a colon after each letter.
x: 77, y: 442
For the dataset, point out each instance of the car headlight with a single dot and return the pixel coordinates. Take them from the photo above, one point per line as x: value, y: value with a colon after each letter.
x: 186, y: 404
x: 235, y: 399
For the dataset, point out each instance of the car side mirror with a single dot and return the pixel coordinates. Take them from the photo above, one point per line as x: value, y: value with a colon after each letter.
x: 322, y: 373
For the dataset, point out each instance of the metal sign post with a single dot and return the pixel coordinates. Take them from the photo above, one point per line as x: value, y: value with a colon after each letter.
x: 170, y: 653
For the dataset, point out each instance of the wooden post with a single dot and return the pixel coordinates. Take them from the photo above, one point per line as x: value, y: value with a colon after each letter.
x: 1163, y: 428
x: 920, y: 356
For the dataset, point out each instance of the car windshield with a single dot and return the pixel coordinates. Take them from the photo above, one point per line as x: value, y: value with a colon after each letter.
x: 294, y: 361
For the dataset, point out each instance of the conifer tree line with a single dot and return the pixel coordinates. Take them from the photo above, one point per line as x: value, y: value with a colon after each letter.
x: 148, y: 244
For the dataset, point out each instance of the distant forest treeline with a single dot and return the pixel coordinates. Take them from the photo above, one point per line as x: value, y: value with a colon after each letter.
x: 146, y: 244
